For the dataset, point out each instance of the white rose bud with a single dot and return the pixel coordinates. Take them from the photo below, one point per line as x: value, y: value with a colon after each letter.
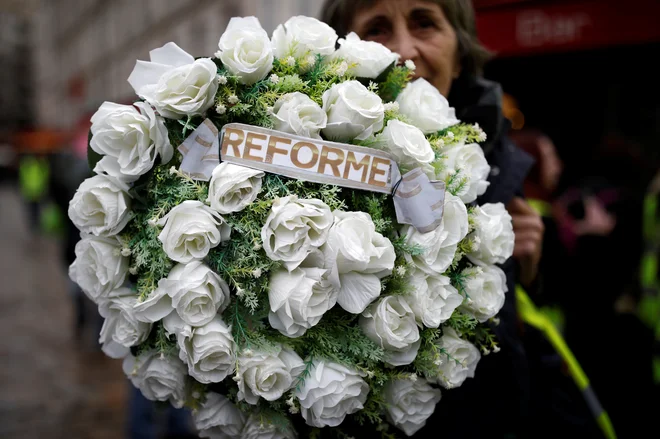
x: 390, y: 323
x: 494, y: 230
x: 133, y: 138
x: 121, y: 329
x: 485, y: 287
x: 294, y: 228
x: 175, y: 83
x: 425, y: 107
x: 369, y: 58
x: 232, y: 187
x: 432, y: 298
x: 329, y: 393
x: 462, y: 360
x: 359, y: 258
x: 197, y: 292
x: 300, y: 36
x: 99, y: 268
x: 439, y: 245
x: 467, y: 162
x: 407, y: 144
x: 159, y: 378
x: 208, y: 350
x: 353, y: 112
x: 100, y: 206
x: 297, y: 113
x: 218, y: 418
x: 245, y: 49
x: 191, y: 230
x: 298, y: 299
x: 267, y: 374
x: 410, y: 404
x: 256, y: 428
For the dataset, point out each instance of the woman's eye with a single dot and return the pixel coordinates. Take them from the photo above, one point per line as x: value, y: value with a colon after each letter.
x: 374, y: 32
x: 426, y: 23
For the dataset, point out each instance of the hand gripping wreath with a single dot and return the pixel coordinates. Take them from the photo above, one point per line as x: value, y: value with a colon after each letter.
x: 242, y: 242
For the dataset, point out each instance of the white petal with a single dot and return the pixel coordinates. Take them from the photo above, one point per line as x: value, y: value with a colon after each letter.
x: 357, y: 291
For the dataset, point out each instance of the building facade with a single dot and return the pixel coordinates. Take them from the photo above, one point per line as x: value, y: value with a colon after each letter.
x: 16, y: 97
x: 84, y: 50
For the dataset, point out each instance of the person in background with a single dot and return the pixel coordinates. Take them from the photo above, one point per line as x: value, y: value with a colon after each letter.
x: 33, y: 173
x: 440, y: 38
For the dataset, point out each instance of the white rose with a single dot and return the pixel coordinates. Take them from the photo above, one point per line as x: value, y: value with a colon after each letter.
x: 353, y: 112
x: 294, y: 228
x: 208, y: 350
x: 232, y: 187
x: 359, y: 258
x: 121, y: 329
x: 297, y: 113
x: 407, y: 144
x: 131, y: 138
x: 175, y: 83
x: 298, y: 299
x: 99, y: 267
x: 459, y: 359
x: 267, y: 374
x: 494, y: 231
x: 367, y: 58
x: 439, y: 245
x: 100, y: 206
x: 255, y: 428
x: 425, y: 107
x: 301, y: 36
x: 329, y: 393
x: 218, y: 418
x: 391, y: 324
x: 191, y: 230
x: 432, y: 298
x: 245, y: 49
x: 195, y: 291
x: 410, y: 404
x: 467, y: 166
x: 485, y: 287
x: 159, y: 378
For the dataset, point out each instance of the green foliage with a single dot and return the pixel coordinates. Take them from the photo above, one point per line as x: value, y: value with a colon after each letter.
x: 394, y: 83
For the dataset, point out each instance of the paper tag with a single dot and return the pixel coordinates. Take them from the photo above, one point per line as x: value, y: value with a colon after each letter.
x: 200, y: 151
x: 417, y: 200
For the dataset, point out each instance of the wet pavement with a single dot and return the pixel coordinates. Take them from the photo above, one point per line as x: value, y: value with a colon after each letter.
x: 52, y: 384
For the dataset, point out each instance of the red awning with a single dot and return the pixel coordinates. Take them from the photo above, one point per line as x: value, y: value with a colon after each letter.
x: 525, y: 27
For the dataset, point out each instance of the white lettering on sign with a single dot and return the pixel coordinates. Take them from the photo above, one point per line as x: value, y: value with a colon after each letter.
x: 536, y: 28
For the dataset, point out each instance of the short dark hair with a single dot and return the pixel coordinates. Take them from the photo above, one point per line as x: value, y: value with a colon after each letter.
x: 460, y: 14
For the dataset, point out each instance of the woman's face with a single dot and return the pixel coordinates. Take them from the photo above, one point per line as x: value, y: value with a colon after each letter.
x: 417, y: 30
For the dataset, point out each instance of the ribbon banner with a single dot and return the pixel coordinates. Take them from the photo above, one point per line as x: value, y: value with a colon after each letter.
x: 417, y: 200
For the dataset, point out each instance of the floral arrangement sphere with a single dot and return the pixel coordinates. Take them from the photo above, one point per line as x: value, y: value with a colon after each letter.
x: 271, y: 304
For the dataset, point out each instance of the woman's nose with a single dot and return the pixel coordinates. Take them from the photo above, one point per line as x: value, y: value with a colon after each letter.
x: 403, y: 43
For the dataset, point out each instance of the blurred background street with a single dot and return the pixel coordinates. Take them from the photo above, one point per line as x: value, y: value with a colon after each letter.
x: 53, y: 383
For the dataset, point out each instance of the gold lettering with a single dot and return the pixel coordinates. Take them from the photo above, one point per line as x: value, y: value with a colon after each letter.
x: 234, y: 143
x: 375, y: 171
x: 351, y: 161
x: 294, y: 155
x: 273, y: 149
x: 334, y: 163
x: 250, y: 145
